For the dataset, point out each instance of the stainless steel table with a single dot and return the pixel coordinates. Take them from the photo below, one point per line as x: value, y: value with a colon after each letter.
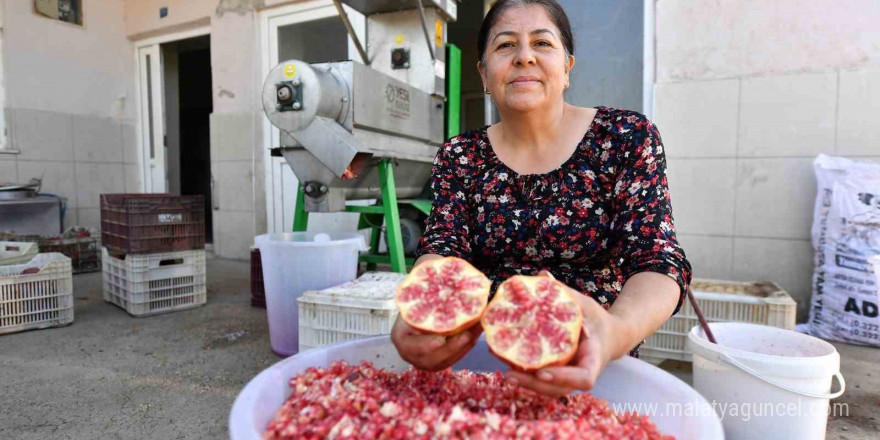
x: 39, y: 215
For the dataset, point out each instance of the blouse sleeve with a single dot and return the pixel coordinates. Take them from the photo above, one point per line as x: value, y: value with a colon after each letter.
x: 446, y: 231
x: 643, y: 221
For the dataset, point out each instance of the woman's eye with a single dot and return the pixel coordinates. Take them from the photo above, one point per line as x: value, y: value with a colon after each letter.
x: 543, y: 43
x: 504, y: 45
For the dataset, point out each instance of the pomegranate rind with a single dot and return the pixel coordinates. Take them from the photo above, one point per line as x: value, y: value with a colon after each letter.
x: 475, y: 293
x: 569, y: 329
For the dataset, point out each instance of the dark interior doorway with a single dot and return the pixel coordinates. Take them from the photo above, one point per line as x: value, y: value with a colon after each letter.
x: 463, y: 33
x: 188, y: 113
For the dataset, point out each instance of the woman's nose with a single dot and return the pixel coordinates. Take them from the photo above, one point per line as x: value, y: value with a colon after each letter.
x: 525, y: 56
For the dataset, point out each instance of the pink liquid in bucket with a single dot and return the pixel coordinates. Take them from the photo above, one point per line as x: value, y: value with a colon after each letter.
x: 296, y: 262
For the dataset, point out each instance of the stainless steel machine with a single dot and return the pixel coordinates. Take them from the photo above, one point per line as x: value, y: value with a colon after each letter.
x: 354, y: 131
x: 341, y: 119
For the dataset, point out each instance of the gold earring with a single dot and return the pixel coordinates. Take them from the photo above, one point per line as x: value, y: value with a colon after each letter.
x: 486, y: 91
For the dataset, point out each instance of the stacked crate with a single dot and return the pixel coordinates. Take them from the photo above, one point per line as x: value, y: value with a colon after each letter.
x: 357, y: 309
x: 153, y: 252
x: 761, y: 302
x: 83, y: 250
x: 37, y: 293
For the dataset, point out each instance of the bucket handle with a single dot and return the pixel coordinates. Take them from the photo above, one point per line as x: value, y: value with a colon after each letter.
x: 726, y: 358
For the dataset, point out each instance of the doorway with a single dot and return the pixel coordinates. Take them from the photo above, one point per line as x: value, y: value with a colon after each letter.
x: 463, y: 33
x: 189, y: 104
x: 174, y: 84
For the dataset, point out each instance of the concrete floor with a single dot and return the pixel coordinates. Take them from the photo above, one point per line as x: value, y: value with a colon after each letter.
x: 175, y: 376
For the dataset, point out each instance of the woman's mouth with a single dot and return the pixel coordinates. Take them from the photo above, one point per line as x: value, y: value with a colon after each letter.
x: 525, y: 80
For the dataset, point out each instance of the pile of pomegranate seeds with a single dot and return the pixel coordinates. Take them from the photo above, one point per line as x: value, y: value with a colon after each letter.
x: 362, y: 402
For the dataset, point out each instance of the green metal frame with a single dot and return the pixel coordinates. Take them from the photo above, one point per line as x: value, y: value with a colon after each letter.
x: 453, y: 91
x: 371, y: 217
x: 387, y: 208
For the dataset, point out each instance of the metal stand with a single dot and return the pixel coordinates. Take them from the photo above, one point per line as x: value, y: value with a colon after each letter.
x: 372, y: 217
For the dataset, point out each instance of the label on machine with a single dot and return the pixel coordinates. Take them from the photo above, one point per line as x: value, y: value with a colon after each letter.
x: 397, y: 101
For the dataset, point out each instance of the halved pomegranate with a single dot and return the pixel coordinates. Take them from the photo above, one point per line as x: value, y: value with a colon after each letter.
x: 532, y: 323
x: 443, y: 296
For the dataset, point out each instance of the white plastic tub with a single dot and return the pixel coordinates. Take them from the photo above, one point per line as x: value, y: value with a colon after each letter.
x: 625, y: 381
x: 767, y: 382
x: 295, y: 262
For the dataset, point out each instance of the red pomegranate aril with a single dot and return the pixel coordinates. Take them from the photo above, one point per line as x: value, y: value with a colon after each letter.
x: 443, y: 296
x: 532, y: 323
x: 345, y: 402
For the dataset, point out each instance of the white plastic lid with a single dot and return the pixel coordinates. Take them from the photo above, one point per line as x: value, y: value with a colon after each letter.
x: 373, y: 290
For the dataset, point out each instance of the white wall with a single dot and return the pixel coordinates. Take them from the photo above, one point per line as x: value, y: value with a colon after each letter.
x: 747, y: 94
x: 71, y: 104
x: 142, y: 16
x: 723, y: 39
x: 3, y: 122
x: 59, y: 67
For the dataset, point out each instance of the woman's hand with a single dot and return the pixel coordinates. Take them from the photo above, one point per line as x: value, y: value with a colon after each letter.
x: 432, y: 352
x: 595, y: 350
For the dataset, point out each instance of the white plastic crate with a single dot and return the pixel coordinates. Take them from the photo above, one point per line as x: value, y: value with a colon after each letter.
x: 41, y: 299
x: 721, y: 301
x: 17, y: 252
x: 353, y: 310
x: 151, y: 284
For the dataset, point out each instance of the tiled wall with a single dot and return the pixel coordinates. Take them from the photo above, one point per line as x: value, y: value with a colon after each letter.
x: 740, y: 155
x: 79, y: 157
x: 70, y: 105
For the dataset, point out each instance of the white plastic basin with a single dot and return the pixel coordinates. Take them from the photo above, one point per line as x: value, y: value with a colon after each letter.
x: 625, y: 381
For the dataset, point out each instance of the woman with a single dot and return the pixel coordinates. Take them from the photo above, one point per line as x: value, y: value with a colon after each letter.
x: 574, y: 193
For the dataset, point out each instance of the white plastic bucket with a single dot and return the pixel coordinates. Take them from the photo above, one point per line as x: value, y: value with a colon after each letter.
x: 628, y: 384
x: 295, y: 262
x: 766, y: 382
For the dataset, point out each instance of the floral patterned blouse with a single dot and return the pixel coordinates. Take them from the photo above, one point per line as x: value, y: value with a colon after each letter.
x: 601, y: 217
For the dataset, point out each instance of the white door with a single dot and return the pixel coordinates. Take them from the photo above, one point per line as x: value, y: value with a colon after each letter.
x: 152, y: 118
x: 312, y: 32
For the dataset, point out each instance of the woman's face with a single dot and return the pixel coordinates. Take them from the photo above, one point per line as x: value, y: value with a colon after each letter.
x: 525, y: 66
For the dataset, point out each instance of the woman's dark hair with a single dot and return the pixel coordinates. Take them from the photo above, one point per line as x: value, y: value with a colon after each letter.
x: 556, y: 13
